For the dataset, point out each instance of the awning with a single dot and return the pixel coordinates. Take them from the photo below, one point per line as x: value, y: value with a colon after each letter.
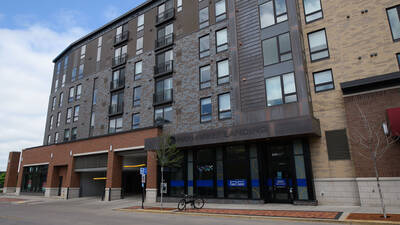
x: 394, y: 120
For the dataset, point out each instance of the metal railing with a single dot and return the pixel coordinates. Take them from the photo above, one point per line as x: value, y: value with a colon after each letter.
x: 119, y: 60
x: 166, y: 15
x: 162, y: 97
x: 121, y: 37
x: 118, y: 83
x: 164, y: 67
x: 116, y: 109
x: 165, y: 41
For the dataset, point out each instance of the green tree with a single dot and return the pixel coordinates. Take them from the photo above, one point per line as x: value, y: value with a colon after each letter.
x: 168, y: 156
x: 2, y: 178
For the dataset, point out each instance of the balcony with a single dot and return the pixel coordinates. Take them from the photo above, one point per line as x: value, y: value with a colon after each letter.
x: 165, y: 16
x: 163, y: 97
x: 164, y: 41
x: 120, y: 38
x: 119, y: 60
x: 116, y: 109
x: 117, y: 84
x: 164, y: 68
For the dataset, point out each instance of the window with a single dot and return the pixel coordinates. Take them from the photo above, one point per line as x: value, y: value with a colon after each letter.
x: 236, y: 171
x: 224, y: 106
x: 53, y: 105
x: 63, y: 79
x: 58, y: 68
x: 115, y: 125
x: 312, y: 10
x: 205, y: 77
x: 223, y: 71
x: 92, y: 119
x: 135, y: 121
x: 73, y: 75
x: 138, y: 70
x: 318, y: 45
x: 203, y: 18
x: 67, y: 134
x: 139, y: 46
x: 56, y: 85
x: 273, y: 12
x: 163, y: 91
x: 137, y: 92
x: 222, y: 40
x: 58, y: 119
x: 394, y: 21
x: 99, y: 44
x: 49, y: 139
x: 65, y: 64
x: 205, y: 110
x: 78, y: 91
x: 204, y: 46
x: 165, y: 36
x: 94, y: 96
x: 76, y: 113
x: 179, y: 5
x: 140, y: 22
x: 81, y: 68
x: 71, y: 94
x: 281, y: 89
x: 74, y: 133
x: 69, y: 115
x: 117, y: 102
x: 163, y: 114
x: 83, y: 52
x: 120, y: 55
x: 337, y: 144
x: 56, y: 138
x: 51, y: 122
x: 277, y: 49
x: 220, y: 11
x: 205, y: 172
x: 164, y: 62
x: 60, y: 102
x: 323, y: 81
x: 118, y: 79
x: 398, y: 59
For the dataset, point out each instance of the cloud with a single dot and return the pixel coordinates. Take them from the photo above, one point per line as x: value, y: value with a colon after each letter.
x: 111, y: 12
x: 25, y: 78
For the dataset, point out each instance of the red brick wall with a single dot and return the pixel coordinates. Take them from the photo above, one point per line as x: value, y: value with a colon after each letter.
x: 374, y: 106
x: 12, y: 170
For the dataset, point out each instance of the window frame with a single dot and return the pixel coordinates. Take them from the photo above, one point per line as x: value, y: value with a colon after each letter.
x: 230, y: 110
x: 209, y: 81
x: 78, y: 94
x: 226, y: 76
x: 322, y: 84
x: 58, y: 119
x: 201, y: 24
x: 140, y: 27
x: 51, y: 122
x: 74, y: 136
x: 275, y: 15
x: 136, y: 102
x: 216, y: 41
x: 53, y: 104
x: 135, y: 126
x: 76, y: 113
x: 139, y: 51
x: 283, y: 95
x: 179, y: 5
x: 67, y: 138
x: 209, y: 47
x: 163, y: 109
x: 305, y: 15
x: 201, y: 112
x: 136, y: 75
x: 278, y: 48
x: 60, y: 100
x: 390, y: 25
x: 398, y: 59
x: 68, y: 117
x: 71, y: 98
x: 115, y: 119
x: 222, y: 14
x: 327, y: 46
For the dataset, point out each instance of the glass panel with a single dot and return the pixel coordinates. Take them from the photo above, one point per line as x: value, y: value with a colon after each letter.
x: 270, y: 51
x: 289, y: 84
x: 223, y: 68
x: 204, y: 43
x: 203, y: 15
x: 317, y: 41
x: 220, y: 8
x: 274, y: 91
x: 169, y: 55
x: 267, y: 17
x: 280, y: 7
x: 140, y: 20
x: 313, y: 17
x: 206, y: 109
x: 168, y: 114
x: 311, y: 6
x: 323, y: 77
x: 205, y: 168
x: 222, y: 37
x: 319, y: 55
x: 169, y: 29
x: 394, y: 22
x: 139, y: 44
x: 324, y: 87
x: 284, y: 43
x: 281, y: 18
x: 236, y: 172
x: 119, y: 125
x: 205, y: 74
x: 158, y: 114
x: 224, y: 102
x: 135, y: 121
x: 138, y: 67
x: 290, y: 98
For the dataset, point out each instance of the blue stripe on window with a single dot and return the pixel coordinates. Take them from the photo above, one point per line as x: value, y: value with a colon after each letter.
x: 190, y: 183
x: 177, y: 183
x: 220, y: 183
x: 205, y: 183
x: 301, y: 182
x: 255, y: 183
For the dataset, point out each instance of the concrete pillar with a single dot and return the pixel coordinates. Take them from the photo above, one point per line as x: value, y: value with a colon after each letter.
x: 51, y: 184
x: 114, y: 177
x: 151, y: 184
x: 10, y: 182
x: 72, y: 184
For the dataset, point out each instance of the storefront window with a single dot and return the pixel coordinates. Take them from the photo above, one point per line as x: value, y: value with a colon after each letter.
x: 236, y: 172
x: 34, y: 179
x: 205, y: 169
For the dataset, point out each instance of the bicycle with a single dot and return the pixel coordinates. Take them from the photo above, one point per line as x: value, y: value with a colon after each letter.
x: 196, y: 203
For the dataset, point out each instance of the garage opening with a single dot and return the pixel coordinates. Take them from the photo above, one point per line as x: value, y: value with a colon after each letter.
x: 131, y: 178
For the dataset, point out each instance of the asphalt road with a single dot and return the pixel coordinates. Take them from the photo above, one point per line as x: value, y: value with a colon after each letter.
x: 94, y: 213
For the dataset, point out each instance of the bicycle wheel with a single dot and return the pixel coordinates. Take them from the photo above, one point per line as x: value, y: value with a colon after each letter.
x: 198, y: 203
x: 182, y: 205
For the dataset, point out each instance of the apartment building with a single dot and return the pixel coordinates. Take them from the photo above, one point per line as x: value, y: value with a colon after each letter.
x: 260, y: 96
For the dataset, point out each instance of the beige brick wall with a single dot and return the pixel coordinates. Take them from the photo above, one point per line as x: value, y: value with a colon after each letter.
x: 348, y: 39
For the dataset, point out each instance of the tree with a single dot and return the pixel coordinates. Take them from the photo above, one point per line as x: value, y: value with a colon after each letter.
x: 2, y: 178
x: 374, y: 139
x: 168, y: 156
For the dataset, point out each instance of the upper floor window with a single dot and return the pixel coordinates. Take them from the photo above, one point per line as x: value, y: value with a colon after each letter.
x: 63, y: 80
x: 56, y: 85
x: 58, y: 68
x: 205, y: 110
x: 83, y: 52
x: 220, y: 10
x: 49, y: 139
x: 69, y: 115
x: 56, y: 138
x: 164, y: 62
x: 204, y: 46
x: 118, y: 79
x: 179, y: 5
x: 58, y: 119
x: 224, y: 106
x: 51, y: 122
x: 73, y: 75
x: 71, y: 94
x: 163, y: 114
x: 76, y: 113
x: 137, y: 92
x: 323, y: 81
x: 117, y: 102
x: 165, y: 36
x: 94, y: 96
x: 53, y: 105
x: 318, y: 45
x: 277, y: 49
x: 92, y: 120
x: 120, y: 55
x: 203, y: 18
x: 222, y: 40
x: 99, y: 44
x: 115, y: 125
x: 67, y: 134
x: 281, y: 89
x: 60, y: 102
x: 81, y: 68
x: 139, y: 46
x: 163, y: 91
x: 74, y: 133
x: 223, y: 71
x: 205, y: 77
x: 140, y: 22
x: 312, y: 10
x: 394, y: 21
x: 65, y: 64
x: 78, y: 92
x: 135, y: 121
x: 273, y: 12
x: 138, y: 70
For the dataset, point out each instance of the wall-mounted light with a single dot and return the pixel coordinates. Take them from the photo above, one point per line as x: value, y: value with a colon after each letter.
x: 51, y: 155
x: 70, y: 153
x: 385, y: 128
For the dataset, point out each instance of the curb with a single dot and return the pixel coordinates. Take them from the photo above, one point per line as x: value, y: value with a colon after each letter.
x: 350, y: 222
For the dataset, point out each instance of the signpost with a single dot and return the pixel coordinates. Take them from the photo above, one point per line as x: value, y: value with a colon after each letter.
x: 143, y: 172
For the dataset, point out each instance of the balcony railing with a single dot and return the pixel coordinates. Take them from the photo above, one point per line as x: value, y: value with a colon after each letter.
x: 117, y: 84
x: 119, y: 60
x: 164, y: 68
x: 116, y: 109
x: 165, y: 16
x: 121, y: 37
x: 162, y: 97
x: 165, y: 41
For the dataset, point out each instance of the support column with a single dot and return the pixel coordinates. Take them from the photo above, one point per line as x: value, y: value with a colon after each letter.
x: 72, y: 181
x: 51, y: 187
x: 114, y: 177
x: 10, y: 182
x: 151, y: 184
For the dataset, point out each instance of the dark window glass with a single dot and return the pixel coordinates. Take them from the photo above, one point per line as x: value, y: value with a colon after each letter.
x: 206, y: 110
x: 318, y: 45
x: 71, y: 94
x: 223, y: 71
x: 281, y: 89
x: 338, y: 147
x: 277, y: 49
x: 224, y: 106
x: 205, y: 173
x: 60, y: 102
x: 323, y: 81
x: 163, y: 115
x: 135, y: 121
x: 222, y: 40
x: 115, y: 125
x: 117, y: 102
x: 66, y: 134
x: 74, y: 133
x: 81, y: 68
x: 163, y: 91
x: 203, y: 18
x: 137, y: 92
x: 394, y: 21
x: 312, y: 10
x: 69, y: 115
x: 205, y: 77
x: 204, y: 46
x: 220, y: 10
x: 273, y: 12
x: 236, y: 172
x: 78, y: 92
x: 73, y: 75
x: 34, y: 179
x: 398, y: 59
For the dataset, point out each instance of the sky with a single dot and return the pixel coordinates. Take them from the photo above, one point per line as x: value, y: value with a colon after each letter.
x: 32, y: 34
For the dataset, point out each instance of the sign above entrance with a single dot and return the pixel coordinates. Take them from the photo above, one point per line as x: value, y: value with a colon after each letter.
x: 237, y: 183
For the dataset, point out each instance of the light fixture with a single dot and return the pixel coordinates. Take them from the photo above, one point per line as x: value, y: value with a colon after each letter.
x: 385, y: 128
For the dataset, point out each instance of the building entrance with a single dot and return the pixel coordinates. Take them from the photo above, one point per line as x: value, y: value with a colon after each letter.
x: 131, y: 183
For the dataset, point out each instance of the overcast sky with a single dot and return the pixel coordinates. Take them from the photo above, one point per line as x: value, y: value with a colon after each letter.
x: 32, y: 34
